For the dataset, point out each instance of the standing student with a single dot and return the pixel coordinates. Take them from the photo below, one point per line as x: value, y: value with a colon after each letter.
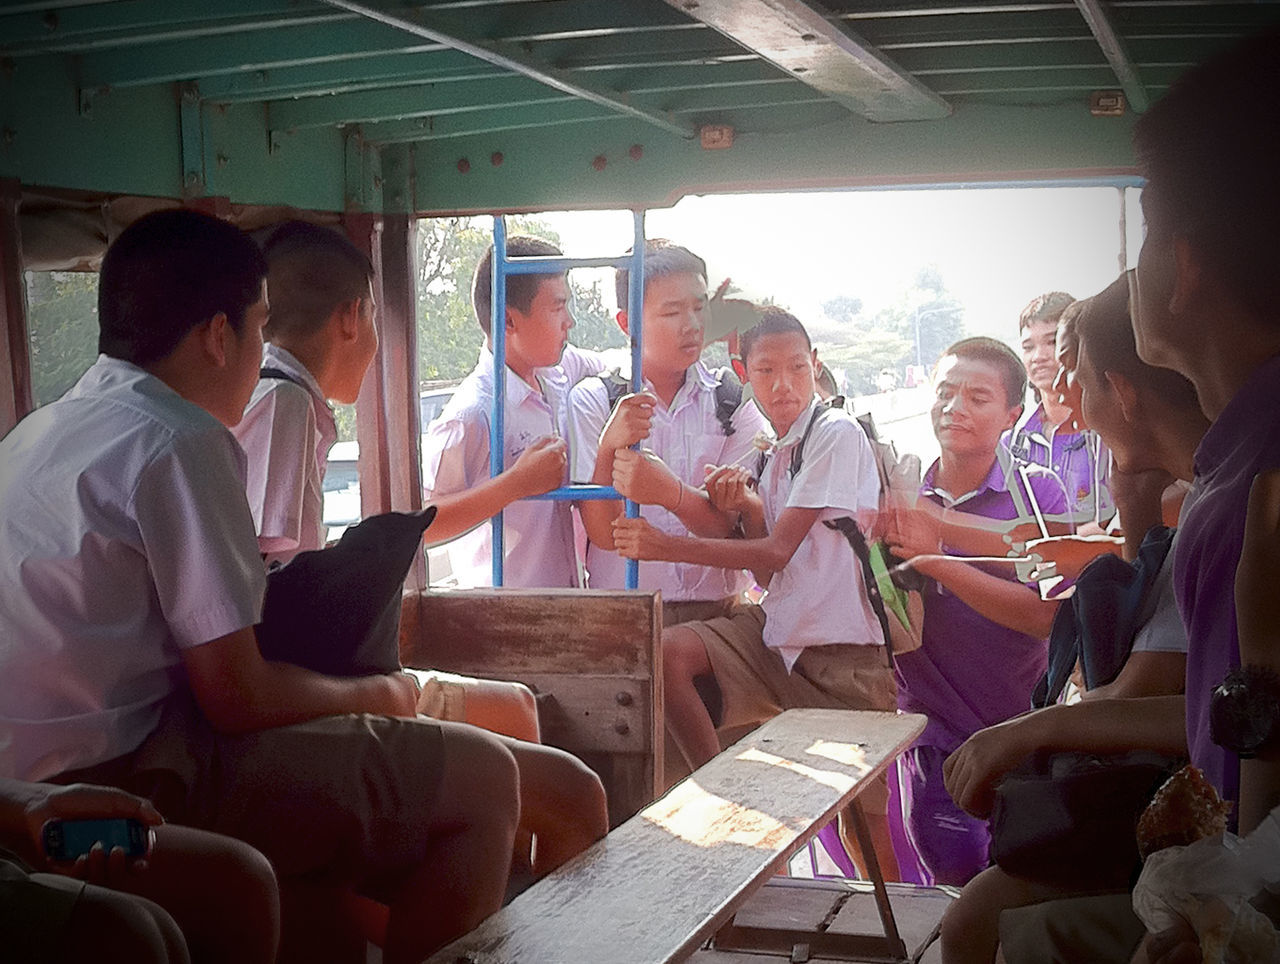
x: 1044, y: 434
x: 130, y: 583
x: 689, y: 419
x: 984, y: 633
x: 815, y: 640
x: 541, y: 368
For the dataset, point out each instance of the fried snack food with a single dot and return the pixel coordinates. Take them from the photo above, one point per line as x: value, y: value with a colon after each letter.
x: 1185, y: 809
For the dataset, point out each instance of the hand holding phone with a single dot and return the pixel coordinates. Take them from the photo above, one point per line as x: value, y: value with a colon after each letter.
x: 65, y: 841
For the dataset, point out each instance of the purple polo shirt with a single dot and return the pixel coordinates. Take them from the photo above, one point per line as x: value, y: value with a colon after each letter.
x: 970, y: 672
x: 1244, y: 441
x: 1079, y: 459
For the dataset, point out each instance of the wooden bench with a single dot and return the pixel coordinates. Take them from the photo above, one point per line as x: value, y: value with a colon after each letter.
x: 659, y: 886
x: 592, y: 657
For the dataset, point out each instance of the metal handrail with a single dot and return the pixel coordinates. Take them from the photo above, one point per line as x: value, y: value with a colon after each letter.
x: 504, y: 267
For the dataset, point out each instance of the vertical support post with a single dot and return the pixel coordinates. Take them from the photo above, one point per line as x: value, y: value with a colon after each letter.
x: 365, y: 232
x: 635, y: 318
x: 497, y: 426
x: 15, y: 346
x: 398, y: 357
x: 1124, y: 233
x: 192, y: 129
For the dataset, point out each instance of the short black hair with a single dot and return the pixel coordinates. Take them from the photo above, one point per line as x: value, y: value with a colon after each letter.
x: 1012, y: 372
x: 521, y: 288
x: 168, y: 273
x: 311, y: 271
x: 661, y: 258
x: 1046, y: 307
x: 773, y: 321
x: 1105, y: 334
x: 1208, y: 149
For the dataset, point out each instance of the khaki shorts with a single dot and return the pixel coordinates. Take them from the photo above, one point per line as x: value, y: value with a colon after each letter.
x: 755, y: 685
x: 348, y: 796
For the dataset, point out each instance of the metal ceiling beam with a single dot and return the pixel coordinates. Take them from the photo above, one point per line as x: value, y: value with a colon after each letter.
x: 419, y: 25
x: 822, y: 53
x: 1098, y: 18
x: 490, y: 121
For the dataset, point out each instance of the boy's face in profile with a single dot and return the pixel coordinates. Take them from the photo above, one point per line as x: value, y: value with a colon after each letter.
x: 675, y: 308
x: 538, y: 336
x: 970, y: 408
x: 1039, y: 340
x: 780, y: 368
x: 1151, y: 286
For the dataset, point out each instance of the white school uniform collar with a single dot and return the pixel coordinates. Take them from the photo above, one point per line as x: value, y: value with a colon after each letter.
x: 798, y: 428
x: 273, y: 356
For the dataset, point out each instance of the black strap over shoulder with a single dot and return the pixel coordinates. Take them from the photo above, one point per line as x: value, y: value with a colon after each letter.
x: 728, y: 395
x: 847, y: 527
x: 281, y: 375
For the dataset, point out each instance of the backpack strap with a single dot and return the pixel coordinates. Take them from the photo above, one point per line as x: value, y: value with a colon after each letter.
x: 281, y: 375
x: 615, y: 386
x: 728, y: 397
x: 847, y: 527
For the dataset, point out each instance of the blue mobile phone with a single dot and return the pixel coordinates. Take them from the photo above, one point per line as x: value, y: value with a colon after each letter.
x: 65, y: 840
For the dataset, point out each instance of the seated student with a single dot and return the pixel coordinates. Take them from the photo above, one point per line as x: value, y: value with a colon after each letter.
x: 322, y: 338
x: 541, y: 368
x: 689, y: 418
x: 1043, y: 435
x: 984, y: 634
x: 814, y: 641
x: 130, y: 582
x: 1150, y: 419
x: 195, y: 896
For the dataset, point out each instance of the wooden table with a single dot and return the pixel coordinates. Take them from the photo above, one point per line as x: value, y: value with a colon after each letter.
x: 662, y: 883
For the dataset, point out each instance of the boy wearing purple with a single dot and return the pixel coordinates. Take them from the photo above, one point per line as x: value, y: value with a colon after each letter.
x: 1205, y: 305
x: 984, y: 632
x: 1046, y: 435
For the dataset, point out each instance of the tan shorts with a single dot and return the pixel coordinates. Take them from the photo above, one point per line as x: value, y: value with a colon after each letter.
x: 349, y: 796
x: 755, y: 685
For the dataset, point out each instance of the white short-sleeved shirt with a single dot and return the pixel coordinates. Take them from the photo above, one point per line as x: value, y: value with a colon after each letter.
x: 124, y: 538
x: 819, y: 598
x: 687, y: 437
x: 286, y: 434
x: 1164, y: 631
x: 537, y: 534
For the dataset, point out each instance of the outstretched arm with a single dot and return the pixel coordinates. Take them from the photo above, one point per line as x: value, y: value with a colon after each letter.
x: 637, y: 539
x: 540, y: 468
x: 1100, y: 726
x: 1008, y: 603
x: 240, y: 692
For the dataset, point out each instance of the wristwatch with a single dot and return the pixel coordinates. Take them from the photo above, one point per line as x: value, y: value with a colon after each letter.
x: 1244, y: 711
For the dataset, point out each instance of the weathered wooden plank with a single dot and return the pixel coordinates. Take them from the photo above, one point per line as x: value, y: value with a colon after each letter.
x: 526, y: 631
x: 659, y: 885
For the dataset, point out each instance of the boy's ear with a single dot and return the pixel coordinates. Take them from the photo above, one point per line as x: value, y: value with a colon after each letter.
x: 347, y: 318
x: 212, y: 337
x: 623, y: 323
x: 1015, y: 413
x: 1126, y: 395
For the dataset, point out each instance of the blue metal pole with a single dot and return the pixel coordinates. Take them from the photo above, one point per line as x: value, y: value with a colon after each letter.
x: 635, y: 319
x: 498, y: 334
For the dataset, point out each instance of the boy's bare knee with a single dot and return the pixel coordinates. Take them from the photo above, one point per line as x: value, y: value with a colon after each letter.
x: 683, y: 652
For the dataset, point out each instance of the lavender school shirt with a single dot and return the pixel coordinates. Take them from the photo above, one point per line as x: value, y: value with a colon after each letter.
x: 1244, y: 441
x: 970, y: 672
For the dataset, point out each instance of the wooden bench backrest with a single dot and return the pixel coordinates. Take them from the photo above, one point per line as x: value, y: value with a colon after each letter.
x: 658, y: 886
x: 593, y: 658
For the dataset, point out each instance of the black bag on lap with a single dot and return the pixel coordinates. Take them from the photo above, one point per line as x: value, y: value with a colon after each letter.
x: 337, y: 610
x: 1072, y: 818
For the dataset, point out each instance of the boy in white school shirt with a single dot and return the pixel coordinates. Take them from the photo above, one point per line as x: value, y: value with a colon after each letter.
x: 815, y: 640
x: 541, y: 368
x: 689, y: 419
